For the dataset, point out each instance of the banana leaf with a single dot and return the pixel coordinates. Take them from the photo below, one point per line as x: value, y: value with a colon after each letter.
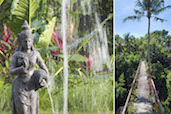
x: 46, y: 36
x: 22, y: 10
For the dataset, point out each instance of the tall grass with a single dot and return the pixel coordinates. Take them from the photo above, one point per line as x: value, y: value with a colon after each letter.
x: 5, y: 98
x: 94, y: 96
x: 90, y: 95
x: 85, y: 95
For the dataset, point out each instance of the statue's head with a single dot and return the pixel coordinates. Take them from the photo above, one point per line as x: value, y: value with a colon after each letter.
x: 25, y: 37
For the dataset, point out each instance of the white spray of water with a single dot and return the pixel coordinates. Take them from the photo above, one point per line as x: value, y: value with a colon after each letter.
x: 51, y: 82
x: 89, y: 8
x: 56, y: 106
x: 99, y: 48
x: 64, y: 26
x: 84, y: 10
x: 51, y: 100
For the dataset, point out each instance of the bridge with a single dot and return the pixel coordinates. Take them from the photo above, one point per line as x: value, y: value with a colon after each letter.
x: 142, y: 97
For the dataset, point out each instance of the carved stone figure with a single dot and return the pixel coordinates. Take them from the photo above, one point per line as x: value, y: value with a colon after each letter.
x: 25, y: 94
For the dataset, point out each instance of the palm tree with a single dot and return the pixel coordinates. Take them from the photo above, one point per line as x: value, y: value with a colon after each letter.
x: 149, y: 9
x: 127, y: 42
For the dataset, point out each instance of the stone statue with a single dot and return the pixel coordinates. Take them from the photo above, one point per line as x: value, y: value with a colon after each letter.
x: 25, y: 94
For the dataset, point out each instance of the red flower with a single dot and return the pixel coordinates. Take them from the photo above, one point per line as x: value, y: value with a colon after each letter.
x: 56, y: 37
x: 8, y: 33
x: 55, y: 52
x: 89, y: 62
x: 4, y: 47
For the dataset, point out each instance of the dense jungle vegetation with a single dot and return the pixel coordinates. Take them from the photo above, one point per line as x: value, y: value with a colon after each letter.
x: 129, y: 51
x: 89, y: 90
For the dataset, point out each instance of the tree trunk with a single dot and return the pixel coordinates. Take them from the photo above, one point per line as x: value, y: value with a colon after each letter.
x: 148, y: 56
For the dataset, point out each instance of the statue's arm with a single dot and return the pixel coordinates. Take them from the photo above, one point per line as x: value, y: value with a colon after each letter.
x: 13, y: 68
x: 43, y: 80
x: 41, y: 63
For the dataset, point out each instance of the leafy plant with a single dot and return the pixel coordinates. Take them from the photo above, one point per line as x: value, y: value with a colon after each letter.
x: 7, y: 47
x: 46, y: 36
x: 22, y: 10
x: 5, y: 98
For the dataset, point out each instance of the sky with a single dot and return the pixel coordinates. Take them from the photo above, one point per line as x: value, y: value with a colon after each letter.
x: 124, y: 8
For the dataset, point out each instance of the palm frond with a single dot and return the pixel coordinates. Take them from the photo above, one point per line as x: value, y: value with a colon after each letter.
x: 138, y: 12
x: 147, y: 4
x: 135, y: 17
x: 156, y: 4
x: 159, y: 19
x: 127, y: 35
x: 156, y: 12
x: 140, y: 5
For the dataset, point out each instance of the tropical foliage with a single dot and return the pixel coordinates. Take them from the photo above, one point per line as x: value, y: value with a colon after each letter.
x: 89, y: 90
x: 127, y: 63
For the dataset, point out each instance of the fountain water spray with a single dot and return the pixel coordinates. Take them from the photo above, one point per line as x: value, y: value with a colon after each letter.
x: 98, y: 48
x: 51, y: 100
x: 64, y: 2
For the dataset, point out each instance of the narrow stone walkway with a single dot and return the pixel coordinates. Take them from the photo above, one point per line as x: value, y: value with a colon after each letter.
x: 143, y: 104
